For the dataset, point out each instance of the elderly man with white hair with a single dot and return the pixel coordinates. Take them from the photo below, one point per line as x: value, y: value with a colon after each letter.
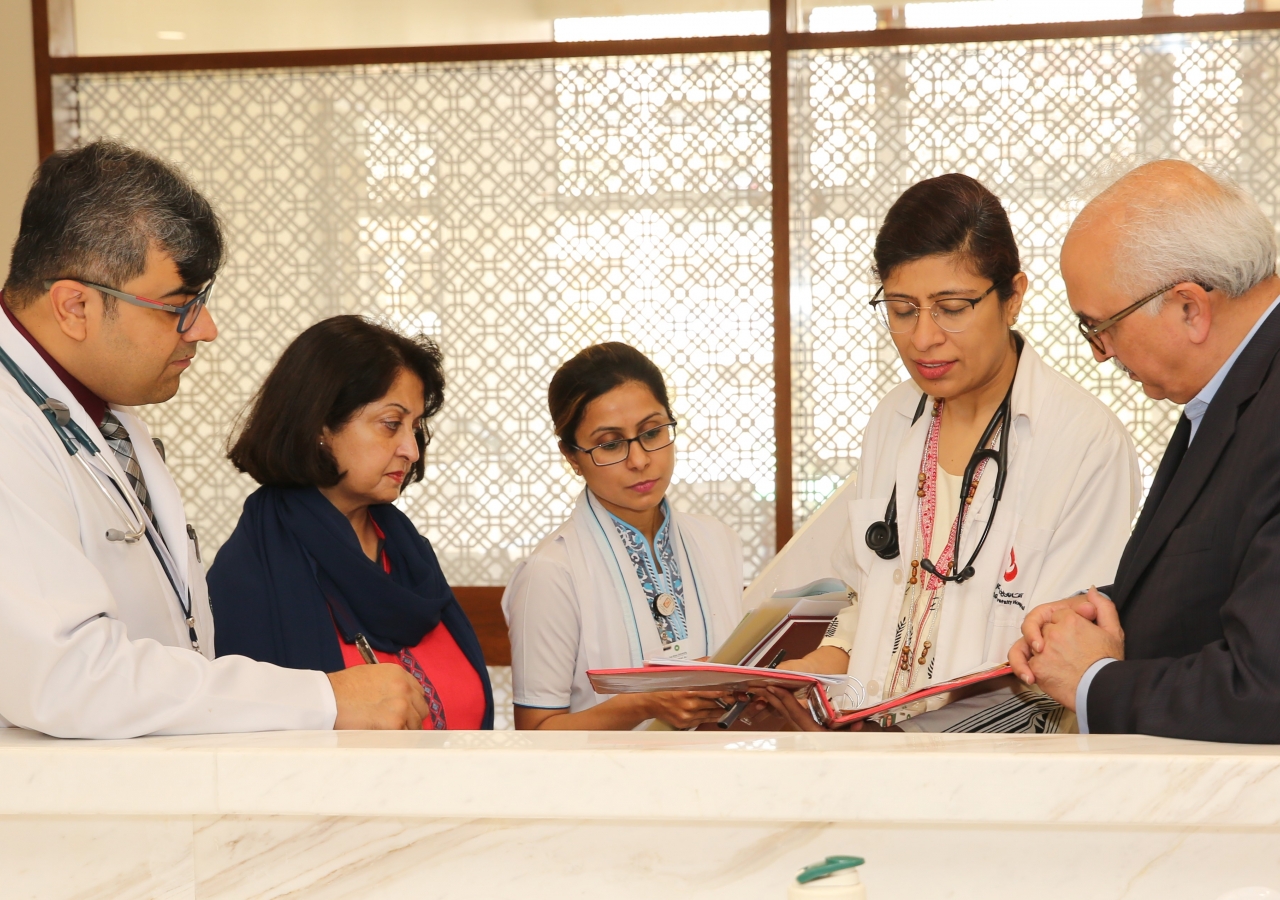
x: 1171, y: 272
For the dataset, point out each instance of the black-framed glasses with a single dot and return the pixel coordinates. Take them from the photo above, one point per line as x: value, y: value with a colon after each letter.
x: 952, y: 314
x: 610, y: 453
x: 187, y: 313
x: 1093, y: 333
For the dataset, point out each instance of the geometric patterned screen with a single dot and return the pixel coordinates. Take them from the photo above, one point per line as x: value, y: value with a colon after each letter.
x: 1030, y: 119
x: 518, y: 211
x: 515, y: 211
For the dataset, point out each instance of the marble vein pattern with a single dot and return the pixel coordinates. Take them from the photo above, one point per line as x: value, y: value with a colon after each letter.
x: 518, y: 815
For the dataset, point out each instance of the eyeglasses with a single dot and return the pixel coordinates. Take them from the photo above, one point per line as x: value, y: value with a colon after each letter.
x: 187, y: 313
x: 953, y: 315
x: 1093, y: 333
x: 610, y: 453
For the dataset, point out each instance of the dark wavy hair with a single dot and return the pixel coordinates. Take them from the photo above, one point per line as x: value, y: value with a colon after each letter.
x: 330, y: 372
x: 92, y: 213
x: 593, y: 373
x: 950, y: 214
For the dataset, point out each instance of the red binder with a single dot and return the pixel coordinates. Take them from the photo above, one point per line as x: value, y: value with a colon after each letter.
x: 833, y: 718
x: 715, y: 677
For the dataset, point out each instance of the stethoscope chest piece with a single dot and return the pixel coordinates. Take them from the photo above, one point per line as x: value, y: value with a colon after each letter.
x: 882, y: 537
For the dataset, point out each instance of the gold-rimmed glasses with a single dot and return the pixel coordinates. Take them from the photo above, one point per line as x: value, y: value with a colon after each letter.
x: 952, y: 314
x: 1093, y: 333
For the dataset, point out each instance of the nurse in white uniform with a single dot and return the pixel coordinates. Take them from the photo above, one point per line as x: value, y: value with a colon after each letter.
x: 627, y: 577
x: 986, y: 447
x: 105, y: 629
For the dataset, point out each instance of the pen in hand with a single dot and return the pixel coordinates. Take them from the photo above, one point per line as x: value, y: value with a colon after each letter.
x: 366, y: 652
x: 731, y: 715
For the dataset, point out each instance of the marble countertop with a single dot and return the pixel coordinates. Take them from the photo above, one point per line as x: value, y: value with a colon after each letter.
x: 1067, y: 779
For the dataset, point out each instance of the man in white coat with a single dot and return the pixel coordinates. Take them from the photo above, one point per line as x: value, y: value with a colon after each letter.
x: 105, y: 628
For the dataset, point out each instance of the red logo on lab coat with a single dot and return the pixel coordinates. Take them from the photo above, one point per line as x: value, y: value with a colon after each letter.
x: 1011, y: 572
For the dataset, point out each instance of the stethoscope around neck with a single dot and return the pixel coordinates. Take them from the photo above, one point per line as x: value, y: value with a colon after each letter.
x: 882, y: 536
x: 74, y: 438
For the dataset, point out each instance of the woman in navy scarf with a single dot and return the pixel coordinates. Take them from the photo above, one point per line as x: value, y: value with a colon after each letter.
x: 322, y: 570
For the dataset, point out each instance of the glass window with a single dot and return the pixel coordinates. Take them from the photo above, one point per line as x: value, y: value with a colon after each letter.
x: 669, y: 25
x: 126, y: 27
x: 843, y: 18
x: 841, y: 15
x: 969, y: 13
x: 1207, y: 7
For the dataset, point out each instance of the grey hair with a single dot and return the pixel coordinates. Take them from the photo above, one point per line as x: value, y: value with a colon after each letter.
x: 94, y: 211
x: 1219, y: 238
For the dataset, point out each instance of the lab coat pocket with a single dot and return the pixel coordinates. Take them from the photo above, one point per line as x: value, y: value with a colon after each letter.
x: 862, y: 515
x: 1011, y: 598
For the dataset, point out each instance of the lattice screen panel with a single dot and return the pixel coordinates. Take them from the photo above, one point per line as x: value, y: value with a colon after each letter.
x: 1032, y: 120
x: 515, y: 211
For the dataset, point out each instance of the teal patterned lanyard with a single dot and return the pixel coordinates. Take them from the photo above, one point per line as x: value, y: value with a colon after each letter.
x: 657, y: 584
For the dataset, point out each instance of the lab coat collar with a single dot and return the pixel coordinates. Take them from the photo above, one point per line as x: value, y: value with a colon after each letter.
x: 610, y: 565
x: 1024, y: 405
x: 30, y: 361
x: 92, y: 403
x: 165, y: 499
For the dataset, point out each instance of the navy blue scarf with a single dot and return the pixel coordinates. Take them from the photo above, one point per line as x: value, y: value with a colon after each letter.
x: 294, y: 567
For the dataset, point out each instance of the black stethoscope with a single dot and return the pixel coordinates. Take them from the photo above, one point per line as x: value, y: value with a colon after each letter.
x: 882, y: 536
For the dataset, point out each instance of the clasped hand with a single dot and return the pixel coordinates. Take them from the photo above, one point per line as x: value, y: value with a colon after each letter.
x: 1061, y: 640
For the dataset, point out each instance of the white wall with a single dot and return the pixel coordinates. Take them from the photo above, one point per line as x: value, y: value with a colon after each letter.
x: 18, y: 153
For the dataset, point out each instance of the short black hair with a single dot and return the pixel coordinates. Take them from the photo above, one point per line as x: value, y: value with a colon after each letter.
x: 330, y: 372
x: 593, y: 373
x: 950, y: 214
x: 92, y: 213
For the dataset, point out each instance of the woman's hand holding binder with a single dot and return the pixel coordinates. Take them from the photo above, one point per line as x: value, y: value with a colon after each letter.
x: 798, y: 716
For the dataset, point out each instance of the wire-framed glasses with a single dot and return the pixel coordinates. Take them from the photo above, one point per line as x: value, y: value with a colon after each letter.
x: 610, y: 453
x: 952, y: 314
x: 187, y: 313
x: 1093, y: 333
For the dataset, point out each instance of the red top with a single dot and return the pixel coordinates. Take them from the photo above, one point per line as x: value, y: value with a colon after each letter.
x: 455, y: 679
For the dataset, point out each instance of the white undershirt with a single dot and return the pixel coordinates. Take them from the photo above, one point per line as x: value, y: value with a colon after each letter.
x: 948, y: 504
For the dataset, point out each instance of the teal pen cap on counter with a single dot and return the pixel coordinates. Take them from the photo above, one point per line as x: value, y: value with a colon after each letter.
x: 835, y: 878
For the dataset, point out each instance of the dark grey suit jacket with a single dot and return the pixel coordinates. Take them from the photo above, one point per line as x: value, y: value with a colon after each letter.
x: 1198, y: 587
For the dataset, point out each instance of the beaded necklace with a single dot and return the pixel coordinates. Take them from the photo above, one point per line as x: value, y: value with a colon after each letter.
x: 915, y: 639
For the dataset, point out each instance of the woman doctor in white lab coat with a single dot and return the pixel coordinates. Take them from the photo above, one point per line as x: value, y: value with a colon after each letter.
x: 980, y: 400
x: 628, y: 577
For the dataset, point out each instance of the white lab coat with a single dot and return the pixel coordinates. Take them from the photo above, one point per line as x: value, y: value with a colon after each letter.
x: 573, y: 606
x: 93, y: 642
x: 1072, y: 491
